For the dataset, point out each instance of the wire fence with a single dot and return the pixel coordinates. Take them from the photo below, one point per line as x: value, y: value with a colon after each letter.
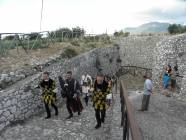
x: 44, y: 39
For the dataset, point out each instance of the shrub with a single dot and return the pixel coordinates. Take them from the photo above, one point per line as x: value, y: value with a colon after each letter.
x: 122, y: 34
x: 33, y: 36
x: 91, y: 45
x: 116, y: 45
x: 69, y: 53
x: 67, y: 33
x: 77, y: 32
x: 75, y: 43
x: 35, y: 45
x: 10, y: 37
x: 126, y: 34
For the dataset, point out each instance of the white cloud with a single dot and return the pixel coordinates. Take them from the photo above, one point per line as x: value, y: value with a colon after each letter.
x: 94, y: 15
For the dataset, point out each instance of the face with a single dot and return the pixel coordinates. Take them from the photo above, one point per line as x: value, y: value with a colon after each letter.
x: 45, y: 77
x: 110, y: 83
x: 106, y: 79
x: 99, y: 79
x: 165, y: 67
x: 144, y: 77
x: 68, y: 76
x: 148, y: 76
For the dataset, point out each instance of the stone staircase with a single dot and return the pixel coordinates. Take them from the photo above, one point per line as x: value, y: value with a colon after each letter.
x: 77, y: 128
x: 165, y: 120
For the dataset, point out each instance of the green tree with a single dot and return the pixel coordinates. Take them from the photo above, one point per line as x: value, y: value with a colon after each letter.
x: 121, y: 33
x: 116, y: 34
x: 78, y: 32
x: 10, y: 37
x: 176, y: 28
x: 63, y: 32
x: 67, y: 33
x: 33, y: 36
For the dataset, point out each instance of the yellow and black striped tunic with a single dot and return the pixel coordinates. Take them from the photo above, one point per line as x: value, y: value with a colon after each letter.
x: 99, y: 96
x: 48, y: 93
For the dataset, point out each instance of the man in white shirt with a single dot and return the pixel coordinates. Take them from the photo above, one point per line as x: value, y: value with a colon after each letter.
x: 86, y: 79
x: 86, y: 83
x: 147, y: 92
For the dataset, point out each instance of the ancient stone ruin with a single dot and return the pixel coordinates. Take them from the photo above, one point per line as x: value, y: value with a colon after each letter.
x: 21, y: 100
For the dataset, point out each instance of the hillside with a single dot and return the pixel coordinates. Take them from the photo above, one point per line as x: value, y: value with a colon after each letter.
x: 151, y: 27
x: 17, y: 65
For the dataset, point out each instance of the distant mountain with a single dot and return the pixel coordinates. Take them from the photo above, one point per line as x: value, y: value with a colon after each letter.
x: 151, y: 27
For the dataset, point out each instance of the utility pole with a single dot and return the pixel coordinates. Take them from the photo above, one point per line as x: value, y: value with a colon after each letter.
x: 41, y: 15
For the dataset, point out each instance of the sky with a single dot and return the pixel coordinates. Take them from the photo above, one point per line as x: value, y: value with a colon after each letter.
x: 95, y: 16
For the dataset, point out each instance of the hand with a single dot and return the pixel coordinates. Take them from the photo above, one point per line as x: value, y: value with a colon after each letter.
x: 37, y: 87
x: 75, y: 95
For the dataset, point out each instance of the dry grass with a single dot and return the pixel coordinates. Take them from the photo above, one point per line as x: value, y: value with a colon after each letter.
x: 16, y: 59
x: 20, y: 59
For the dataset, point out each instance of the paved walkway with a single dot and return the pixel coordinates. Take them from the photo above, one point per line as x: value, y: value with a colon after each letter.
x: 58, y: 128
x: 165, y: 120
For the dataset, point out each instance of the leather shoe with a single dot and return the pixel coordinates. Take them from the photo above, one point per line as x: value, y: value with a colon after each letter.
x: 69, y: 117
x: 98, y: 126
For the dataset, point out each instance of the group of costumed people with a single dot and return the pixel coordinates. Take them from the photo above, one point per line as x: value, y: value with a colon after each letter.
x: 170, y: 76
x: 98, y: 91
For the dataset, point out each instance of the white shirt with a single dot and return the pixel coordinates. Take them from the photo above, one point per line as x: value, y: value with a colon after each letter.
x: 148, y: 87
x: 85, y: 89
x: 84, y: 78
x: 109, y: 96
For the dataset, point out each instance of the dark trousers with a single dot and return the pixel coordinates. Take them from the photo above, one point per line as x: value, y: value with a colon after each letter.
x: 72, y: 105
x: 68, y: 105
x: 109, y: 102
x: 86, y: 98
x: 145, y: 102
x: 48, y: 109
x: 100, y: 115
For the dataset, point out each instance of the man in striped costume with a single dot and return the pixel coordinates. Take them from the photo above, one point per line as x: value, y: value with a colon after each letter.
x: 48, y: 94
x: 99, y: 99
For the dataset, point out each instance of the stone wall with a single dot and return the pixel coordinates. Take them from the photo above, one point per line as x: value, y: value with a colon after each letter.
x: 171, y: 51
x: 23, y: 99
x: 12, y: 75
x: 138, y: 50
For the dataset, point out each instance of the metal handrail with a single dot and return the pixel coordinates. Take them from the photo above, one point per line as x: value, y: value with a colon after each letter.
x: 137, y: 67
x: 128, y: 121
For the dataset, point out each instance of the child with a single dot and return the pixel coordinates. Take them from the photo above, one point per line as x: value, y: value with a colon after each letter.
x: 85, y: 91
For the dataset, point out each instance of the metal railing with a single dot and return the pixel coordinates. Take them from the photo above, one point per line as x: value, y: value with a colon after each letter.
x: 128, y: 122
x: 131, y: 70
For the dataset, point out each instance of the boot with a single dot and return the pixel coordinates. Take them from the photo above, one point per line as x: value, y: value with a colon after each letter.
x: 69, y: 117
x: 79, y: 113
x: 98, y: 126
x: 47, y: 117
x: 102, y: 120
x: 56, y: 112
